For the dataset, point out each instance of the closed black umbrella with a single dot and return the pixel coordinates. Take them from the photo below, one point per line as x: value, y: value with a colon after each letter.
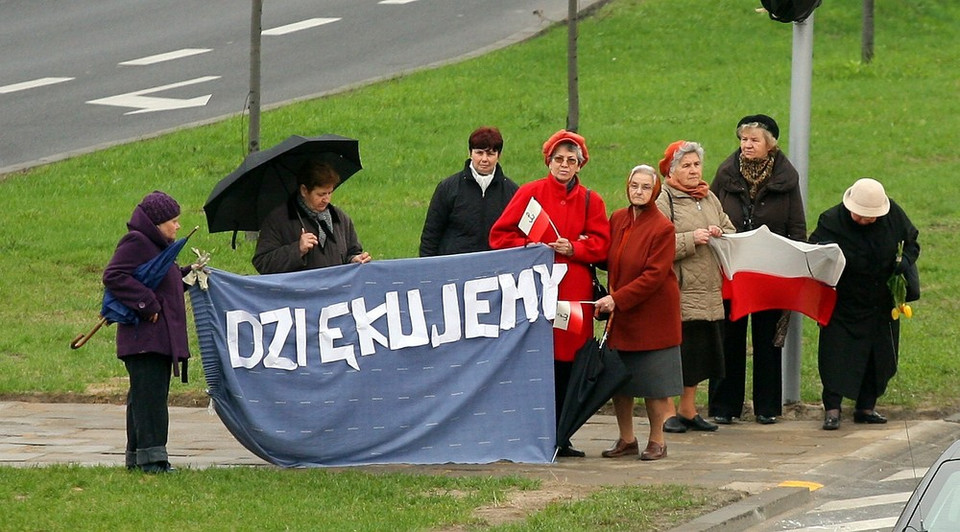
x: 266, y: 179
x: 596, y: 375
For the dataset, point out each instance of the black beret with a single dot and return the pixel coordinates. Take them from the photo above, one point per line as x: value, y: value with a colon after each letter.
x: 765, y: 122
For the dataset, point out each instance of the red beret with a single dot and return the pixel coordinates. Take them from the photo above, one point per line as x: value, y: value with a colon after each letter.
x: 564, y: 136
x: 668, y: 157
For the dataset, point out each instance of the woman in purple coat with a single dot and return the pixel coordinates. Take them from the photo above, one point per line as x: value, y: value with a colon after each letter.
x: 157, y: 344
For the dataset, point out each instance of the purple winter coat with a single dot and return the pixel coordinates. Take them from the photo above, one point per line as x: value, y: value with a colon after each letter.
x: 168, y: 336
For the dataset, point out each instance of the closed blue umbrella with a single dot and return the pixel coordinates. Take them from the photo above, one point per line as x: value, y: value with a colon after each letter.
x: 149, y: 273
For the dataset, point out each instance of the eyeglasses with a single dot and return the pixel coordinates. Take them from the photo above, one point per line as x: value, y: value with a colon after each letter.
x: 571, y: 161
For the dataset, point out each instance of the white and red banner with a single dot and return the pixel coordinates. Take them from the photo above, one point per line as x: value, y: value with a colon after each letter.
x: 763, y: 271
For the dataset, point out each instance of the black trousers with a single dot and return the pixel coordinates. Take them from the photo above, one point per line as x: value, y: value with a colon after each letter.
x: 727, y: 394
x: 561, y: 381
x: 866, y: 397
x: 148, y: 419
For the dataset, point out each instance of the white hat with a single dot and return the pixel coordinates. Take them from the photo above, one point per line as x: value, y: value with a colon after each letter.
x: 866, y: 198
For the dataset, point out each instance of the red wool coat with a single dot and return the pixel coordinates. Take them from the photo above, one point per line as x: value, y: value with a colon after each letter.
x: 642, y: 282
x: 588, y: 231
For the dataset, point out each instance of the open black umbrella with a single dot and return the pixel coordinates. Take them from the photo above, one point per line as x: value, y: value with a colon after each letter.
x: 266, y: 179
x: 597, y: 374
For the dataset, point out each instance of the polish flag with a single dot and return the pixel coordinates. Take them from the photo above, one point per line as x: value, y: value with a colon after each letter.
x: 763, y: 271
x: 569, y: 316
x: 534, y: 221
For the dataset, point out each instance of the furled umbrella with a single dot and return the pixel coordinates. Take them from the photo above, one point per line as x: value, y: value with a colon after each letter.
x: 149, y: 273
x: 596, y: 375
x: 266, y: 179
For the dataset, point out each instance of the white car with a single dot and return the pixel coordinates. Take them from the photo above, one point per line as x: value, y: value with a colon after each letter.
x: 935, y: 503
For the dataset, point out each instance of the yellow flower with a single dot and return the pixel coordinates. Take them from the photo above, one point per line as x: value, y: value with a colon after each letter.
x: 895, y: 313
x: 906, y: 311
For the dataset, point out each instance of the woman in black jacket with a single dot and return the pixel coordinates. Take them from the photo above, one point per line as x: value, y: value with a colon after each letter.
x: 757, y: 186
x: 858, y: 348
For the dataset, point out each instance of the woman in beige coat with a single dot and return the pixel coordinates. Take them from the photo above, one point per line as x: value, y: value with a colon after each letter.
x: 697, y: 217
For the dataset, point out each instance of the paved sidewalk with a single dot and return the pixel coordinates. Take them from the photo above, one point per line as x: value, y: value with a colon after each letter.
x: 747, y: 457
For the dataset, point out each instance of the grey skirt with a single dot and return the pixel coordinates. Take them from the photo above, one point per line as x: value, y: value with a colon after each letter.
x: 656, y: 374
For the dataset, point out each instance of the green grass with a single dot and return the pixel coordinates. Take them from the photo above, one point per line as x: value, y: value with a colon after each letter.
x: 651, y: 72
x: 100, y: 498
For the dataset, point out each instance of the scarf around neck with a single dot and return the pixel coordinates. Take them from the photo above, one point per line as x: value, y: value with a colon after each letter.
x: 322, y: 218
x: 698, y: 191
x: 756, y: 172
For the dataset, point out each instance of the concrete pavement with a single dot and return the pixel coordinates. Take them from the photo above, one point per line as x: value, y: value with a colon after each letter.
x: 773, y: 464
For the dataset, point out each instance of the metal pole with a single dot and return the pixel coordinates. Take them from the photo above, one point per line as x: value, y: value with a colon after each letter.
x: 255, y: 29
x: 800, y: 85
x: 573, y: 90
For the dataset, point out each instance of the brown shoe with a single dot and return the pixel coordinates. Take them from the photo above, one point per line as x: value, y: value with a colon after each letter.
x: 654, y: 451
x: 621, y: 448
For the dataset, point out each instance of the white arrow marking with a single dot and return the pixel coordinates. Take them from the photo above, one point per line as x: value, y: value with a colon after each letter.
x: 297, y: 26
x: 7, y: 89
x: 169, y: 56
x: 149, y: 104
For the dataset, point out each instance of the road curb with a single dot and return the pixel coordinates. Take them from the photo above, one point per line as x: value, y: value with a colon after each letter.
x: 748, y: 512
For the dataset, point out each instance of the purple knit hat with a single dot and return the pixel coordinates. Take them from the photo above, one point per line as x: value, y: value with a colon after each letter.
x: 160, y: 207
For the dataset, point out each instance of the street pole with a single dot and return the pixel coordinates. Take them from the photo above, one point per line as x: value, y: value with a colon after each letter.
x: 800, y: 87
x: 573, y: 90
x: 254, y: 96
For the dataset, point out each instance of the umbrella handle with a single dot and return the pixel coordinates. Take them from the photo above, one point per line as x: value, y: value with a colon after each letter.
x: 81, y: 339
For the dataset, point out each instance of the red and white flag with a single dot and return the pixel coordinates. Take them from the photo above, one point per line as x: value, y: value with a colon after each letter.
x: 535, y: 221
x: 569, y: 316
x: 763, y: 271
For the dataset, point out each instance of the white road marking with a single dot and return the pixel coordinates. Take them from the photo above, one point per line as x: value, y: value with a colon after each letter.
x: 41, y: 82
x: 854, y: 526
x: 149, y: 104
x: 169, y: 56
x: 297, y: 26
x: 395, y: 2
x: 861, y: 502
x: 907, y: 474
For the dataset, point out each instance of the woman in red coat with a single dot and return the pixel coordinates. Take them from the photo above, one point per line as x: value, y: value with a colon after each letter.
x: 645, y: 326
x: 582, y: 238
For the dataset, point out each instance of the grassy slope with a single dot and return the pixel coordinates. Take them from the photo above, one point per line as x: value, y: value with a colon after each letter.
x: 651, y: 72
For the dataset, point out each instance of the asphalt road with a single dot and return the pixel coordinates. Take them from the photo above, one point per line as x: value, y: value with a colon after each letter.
x: 80, y: 75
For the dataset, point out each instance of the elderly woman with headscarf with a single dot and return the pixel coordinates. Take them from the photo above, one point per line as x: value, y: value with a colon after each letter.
x: 697, y: 217
x: 580, y: 237
x: 858, y: 348
x: 757, y: 186
x: 644, y: 303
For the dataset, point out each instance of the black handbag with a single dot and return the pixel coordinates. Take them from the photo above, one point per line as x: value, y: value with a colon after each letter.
x: 599, y: 291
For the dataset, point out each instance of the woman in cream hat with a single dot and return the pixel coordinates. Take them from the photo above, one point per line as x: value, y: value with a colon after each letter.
x: 858, y: 349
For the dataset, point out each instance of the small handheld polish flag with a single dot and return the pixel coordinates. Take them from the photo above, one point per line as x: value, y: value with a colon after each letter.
x: 534, y: 221
x: 569, y: 316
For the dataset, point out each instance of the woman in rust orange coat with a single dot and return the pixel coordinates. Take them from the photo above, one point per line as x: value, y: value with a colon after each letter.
x: 645, y: 326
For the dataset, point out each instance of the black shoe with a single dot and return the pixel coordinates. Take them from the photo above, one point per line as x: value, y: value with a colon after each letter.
x: 766, y: 420
x: 155, y: 468
x: 831, y: 422
x: 873, y: 418
x: 723, y: 420
x: 568, y: 451
x: 673, y: 424
x: 697, y: 423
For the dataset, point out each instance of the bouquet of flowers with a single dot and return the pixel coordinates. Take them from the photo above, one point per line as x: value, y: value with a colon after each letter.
x: 898, y: 287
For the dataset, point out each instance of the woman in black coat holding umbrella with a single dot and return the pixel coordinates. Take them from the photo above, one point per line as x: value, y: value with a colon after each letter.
x: 859, y: 347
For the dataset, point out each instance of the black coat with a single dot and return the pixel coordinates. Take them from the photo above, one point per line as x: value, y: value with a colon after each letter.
x: 861, y: 326
x: 461, y: 213
x: 278, y: 246
x: 778, y: 204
